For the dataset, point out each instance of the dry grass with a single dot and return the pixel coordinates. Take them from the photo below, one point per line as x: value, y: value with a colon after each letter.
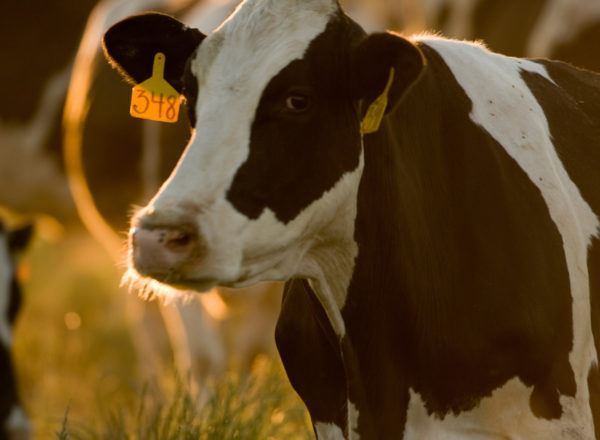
x: 80, y: 377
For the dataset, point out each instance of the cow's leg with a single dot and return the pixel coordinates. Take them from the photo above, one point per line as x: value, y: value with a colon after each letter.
x: 197, y: 342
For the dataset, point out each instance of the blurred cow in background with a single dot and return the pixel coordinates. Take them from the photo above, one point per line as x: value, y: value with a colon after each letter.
x: 37, y: 57
x: 567, y: 30
x: 114, y: 161
x: 13, y: 421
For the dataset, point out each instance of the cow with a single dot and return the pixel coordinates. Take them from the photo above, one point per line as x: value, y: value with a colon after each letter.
x: 14, y: 424
x: 567, y: 30
x: 432, y: 206
x: 31, y: 104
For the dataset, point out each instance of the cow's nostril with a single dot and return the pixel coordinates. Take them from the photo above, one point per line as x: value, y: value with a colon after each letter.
x: 179, y: 241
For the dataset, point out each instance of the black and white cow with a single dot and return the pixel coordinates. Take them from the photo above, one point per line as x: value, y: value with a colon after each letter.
x: 14, y: 424
x: 443, y: 272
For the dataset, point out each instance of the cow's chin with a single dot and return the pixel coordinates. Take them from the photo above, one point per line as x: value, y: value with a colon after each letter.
x: 153, y: 286
x: 161, y: 287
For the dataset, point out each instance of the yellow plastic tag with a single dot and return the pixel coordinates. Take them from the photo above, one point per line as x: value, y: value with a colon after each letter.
x: 155, y: 98
x: 376, y: 110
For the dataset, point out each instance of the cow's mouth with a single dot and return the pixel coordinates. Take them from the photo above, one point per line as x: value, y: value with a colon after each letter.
x: 183, y: 283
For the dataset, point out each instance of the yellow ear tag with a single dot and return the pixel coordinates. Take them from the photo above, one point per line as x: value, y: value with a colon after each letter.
x: 376, y: 110
x: 155, y: 98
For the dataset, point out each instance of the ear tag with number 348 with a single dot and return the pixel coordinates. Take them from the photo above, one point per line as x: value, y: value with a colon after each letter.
x: 155, y: 98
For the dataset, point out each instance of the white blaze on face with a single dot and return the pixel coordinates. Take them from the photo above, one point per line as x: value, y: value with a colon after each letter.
x: 507, y: 109
x: 6, y: 272
x: 233, y: 67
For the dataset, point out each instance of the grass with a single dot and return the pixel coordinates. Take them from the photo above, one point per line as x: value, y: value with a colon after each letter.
x: 79, y: 373
x: 245, y: 406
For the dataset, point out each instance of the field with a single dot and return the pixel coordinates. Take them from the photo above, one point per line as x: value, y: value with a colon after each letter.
x: 79, y: 373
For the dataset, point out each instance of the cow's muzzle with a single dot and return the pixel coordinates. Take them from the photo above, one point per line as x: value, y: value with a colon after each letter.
x: 164, y: 252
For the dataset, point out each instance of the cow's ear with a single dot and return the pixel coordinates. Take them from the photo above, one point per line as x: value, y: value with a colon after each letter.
x: 372, y: 61
x: 19, y: 238
x: 130, y: 46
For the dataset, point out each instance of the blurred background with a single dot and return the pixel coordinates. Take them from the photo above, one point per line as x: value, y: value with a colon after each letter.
x: 94, y: 361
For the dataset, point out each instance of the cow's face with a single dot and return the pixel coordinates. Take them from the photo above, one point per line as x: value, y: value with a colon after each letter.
x: 13, y: 422
x: 276, y: 96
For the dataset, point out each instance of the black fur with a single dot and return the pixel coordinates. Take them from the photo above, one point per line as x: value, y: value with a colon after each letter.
x: 287, y: 148
x: 17, y: 240
x: 461, y: 281
x: 130, y: 45
x: 570, y: 105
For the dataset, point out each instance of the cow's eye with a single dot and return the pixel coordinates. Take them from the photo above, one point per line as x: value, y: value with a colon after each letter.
x: 297, y: 103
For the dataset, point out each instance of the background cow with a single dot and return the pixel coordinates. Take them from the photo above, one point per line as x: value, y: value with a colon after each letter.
x: 567, y: 30
x: 444, y: 268
x: 14, y: 424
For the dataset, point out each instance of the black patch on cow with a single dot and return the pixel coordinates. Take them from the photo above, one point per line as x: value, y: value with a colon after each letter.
x: 311, y: 354
x: 8, y: 396
x: 15, y: 300
x: 287, y: 148
x: 16, y: 240
x: 372, y: 61
x: 461, y: 281
x: 572, y: 108
x: 505, y: 25
x: 582, y: 49
x: 131, y: 44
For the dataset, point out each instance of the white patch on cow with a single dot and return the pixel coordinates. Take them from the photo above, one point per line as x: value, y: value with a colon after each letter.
x: 18, y: 425
x: 505, y: 107
x: 6, y: 272
x: 503, y: 415
x: 559, y: 22
x: 353, y: 421
x: 329, y: 431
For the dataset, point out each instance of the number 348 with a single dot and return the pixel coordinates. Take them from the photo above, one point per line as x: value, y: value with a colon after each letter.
x: 154, y: 105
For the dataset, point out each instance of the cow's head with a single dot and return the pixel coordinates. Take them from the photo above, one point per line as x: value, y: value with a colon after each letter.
x: 276, y: 96
x: 13, y: 422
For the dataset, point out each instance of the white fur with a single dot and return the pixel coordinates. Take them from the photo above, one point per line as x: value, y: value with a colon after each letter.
x: 328, y: 431
x: 516, y: 120
x: 6, y: 271
x: 353, y: 421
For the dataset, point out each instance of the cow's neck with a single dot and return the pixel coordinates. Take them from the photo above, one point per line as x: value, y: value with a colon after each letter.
x: 329, y: 262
